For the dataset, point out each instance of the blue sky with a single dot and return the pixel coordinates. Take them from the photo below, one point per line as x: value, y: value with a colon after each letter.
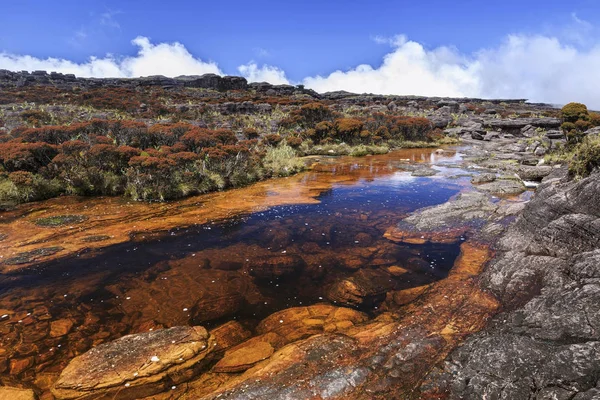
x: 302, y: 39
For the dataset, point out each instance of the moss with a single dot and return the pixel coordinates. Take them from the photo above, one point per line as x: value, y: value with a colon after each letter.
x: 60, y: 220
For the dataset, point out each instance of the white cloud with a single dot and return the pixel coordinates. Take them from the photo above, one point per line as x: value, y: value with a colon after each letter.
x: 169, y: 59
x: 266, y: 73
x: 541, y: 68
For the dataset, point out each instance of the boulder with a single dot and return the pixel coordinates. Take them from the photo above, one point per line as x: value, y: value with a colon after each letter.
x: 503, y: 187
x: 476, y: 135
x: 135, y: 366
x: 365, y: 288
x: 483, y: 178
x: 10, y: 393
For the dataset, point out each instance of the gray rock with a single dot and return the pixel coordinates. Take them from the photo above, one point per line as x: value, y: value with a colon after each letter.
x: 483, y: 178
x: 476, y: 135
x: 502, y: 187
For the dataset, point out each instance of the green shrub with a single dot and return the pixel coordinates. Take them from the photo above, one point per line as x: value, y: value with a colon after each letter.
x: 586, y: 156
x: 282, y: 161
x: 573, y: 112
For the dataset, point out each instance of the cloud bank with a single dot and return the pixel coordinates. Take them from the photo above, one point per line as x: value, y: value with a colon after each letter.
x: 537, y: 67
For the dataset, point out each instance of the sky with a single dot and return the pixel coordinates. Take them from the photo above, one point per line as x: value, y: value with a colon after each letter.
x: 546, y: 51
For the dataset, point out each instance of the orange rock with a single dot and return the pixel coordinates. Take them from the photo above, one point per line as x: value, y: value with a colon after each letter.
x: 19, y: 365
x: 244, y: 357
x: 9, y: 393
x: 229, y: 334
x: 301, y: 322
x: 60, y: 327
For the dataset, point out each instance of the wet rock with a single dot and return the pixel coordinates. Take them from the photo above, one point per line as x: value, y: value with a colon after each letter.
x: 547, y: 342
x: 228, y: 335
x: 277, y: 266
x: 301, y: 322
x: 244, y: 356
x: 424, y: 172
x: 10, y: 393
x: 364, y: 288
x: 19, y: 365
x: 446, y: 222
x: 134, y: 366
x: 60, y: 327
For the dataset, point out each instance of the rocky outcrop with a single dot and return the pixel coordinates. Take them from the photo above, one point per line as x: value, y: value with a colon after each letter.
x: 547, y: 275
x: 135, y: 366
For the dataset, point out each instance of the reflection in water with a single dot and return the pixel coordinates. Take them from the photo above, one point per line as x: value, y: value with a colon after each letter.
x: 240, y: 255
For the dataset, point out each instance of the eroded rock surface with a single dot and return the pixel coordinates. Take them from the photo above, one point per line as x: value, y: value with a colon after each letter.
x: 547, y: 342
x: 135, y: 366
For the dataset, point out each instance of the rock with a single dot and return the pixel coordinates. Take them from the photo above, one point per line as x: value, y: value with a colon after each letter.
x: 547, y: 275
x: 424, y: 172
x: 10, y: 393
x: 555, y: 134
x: 135, y: 366
x: 301, y: 322
x: 19, y: 365
x: 503, y: 187
x: 483, y: 178
x: 244, y: 356
x: 60, y: 327
x: 491, y: 135
x: 229, y: 334
x: 277, y: 266
x: 444, y: 223
x: 515, y: 125
x: 440, y: 121
x: 364, y: 288
x: 533, y: 173
x: 476, y: 135
x: 539, y: 151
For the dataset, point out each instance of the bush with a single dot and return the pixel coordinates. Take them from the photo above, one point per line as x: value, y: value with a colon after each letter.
x: 573, y: 112
x: 282, y: 161
x: 586, y: 156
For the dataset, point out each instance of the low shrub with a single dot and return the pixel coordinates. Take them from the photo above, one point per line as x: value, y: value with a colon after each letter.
x: 585, y: 156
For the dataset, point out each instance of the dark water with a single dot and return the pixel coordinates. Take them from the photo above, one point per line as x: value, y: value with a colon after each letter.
x: 209, y: 274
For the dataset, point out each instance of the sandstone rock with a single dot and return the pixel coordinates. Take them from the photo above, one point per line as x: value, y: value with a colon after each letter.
x: 277, y: 266
x: 229, y: 334
x: 364, y: 288
x: 134, y: 366
x: 301, y: 322
x: 19, y: 365
x: 60, y: 327
x: 10, y: 393
x: 244, y: 356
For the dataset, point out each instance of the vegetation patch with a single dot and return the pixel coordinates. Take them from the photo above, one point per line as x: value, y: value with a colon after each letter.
x: 30, y: 256
x: 60, y: 220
